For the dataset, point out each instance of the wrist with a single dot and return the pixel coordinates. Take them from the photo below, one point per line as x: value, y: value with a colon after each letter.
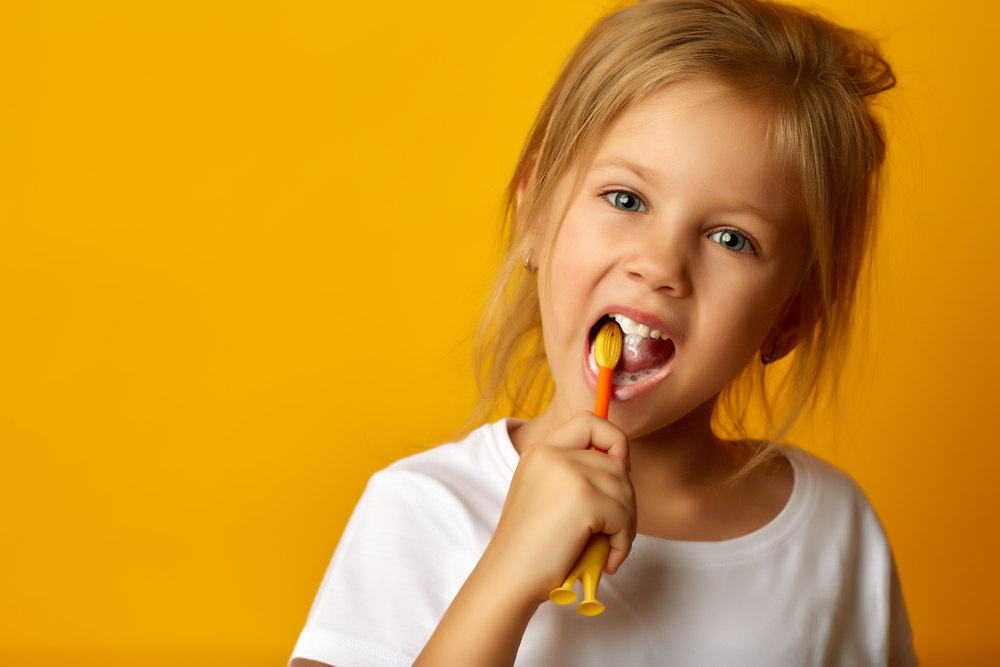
x: 484, y: 623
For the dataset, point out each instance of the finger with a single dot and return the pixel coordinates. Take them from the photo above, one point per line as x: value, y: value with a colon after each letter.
x: 610, y: 439
x: 608, y: 477
x: 591, y: 489
x: 616, y: 557
x: 612, y: 511
x: 586, y: 429
x: 620, y: 542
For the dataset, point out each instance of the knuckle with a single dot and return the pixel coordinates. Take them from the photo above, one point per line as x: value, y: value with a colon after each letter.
x: 619, y: 466
x: 580, y: 490
x: 545, y: 456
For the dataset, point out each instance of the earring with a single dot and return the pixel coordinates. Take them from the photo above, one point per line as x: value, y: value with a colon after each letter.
x: 774, y: 354
x: 527, y: 263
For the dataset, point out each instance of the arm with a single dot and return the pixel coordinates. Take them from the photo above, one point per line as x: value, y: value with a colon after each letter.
x: 483, y: 625
x: 561, y: 494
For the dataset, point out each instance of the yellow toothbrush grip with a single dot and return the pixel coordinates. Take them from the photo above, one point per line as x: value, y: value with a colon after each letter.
x: 588, y: 569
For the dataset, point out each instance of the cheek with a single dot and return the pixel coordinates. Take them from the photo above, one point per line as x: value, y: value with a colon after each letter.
x: 566, y: 286
x: 576, y: 237
x: 747, y: 303
x: 573, y: 257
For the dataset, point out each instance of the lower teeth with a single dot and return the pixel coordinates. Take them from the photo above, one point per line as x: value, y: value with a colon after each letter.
x: 627, y: 378
x: 622, y: 377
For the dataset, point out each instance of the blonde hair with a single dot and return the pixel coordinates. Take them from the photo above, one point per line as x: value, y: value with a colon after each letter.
x: 821, y: 80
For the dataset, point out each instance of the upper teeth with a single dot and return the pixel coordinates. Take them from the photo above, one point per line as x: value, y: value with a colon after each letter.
x: 630, y: 326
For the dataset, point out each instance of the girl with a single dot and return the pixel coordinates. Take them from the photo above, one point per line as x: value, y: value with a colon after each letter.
x: 706, y: 173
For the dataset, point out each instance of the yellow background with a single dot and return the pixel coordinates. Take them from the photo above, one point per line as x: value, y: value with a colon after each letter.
x: 243, y: 246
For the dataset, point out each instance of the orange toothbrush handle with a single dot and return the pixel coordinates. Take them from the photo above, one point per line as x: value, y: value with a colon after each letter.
x: 603, y: 392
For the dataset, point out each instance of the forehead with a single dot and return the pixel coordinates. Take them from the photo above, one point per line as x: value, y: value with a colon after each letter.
x: 692, y: 119
x: 698, y: 135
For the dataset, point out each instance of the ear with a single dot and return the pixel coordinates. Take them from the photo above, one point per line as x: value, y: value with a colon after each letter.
x: 522, y: 184
x: 784, y: 334
x: 530, y: 240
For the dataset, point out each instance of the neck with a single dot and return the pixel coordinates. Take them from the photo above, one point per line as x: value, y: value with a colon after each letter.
x: 684, y: 454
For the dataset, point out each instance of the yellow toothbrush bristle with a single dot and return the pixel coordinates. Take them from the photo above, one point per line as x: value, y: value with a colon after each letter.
x: 608, y: 345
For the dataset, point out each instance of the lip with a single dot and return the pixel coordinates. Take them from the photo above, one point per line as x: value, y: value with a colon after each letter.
x: 627, y: 392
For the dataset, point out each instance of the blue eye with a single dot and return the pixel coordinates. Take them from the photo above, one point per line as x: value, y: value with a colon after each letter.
x: 733, y: 240
x: 626, y: 201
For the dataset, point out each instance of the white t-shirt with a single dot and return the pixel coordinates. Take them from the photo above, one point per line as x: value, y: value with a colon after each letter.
x: 815, y: 586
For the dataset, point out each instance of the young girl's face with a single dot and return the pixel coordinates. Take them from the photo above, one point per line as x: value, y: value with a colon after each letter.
x: 682, y: 226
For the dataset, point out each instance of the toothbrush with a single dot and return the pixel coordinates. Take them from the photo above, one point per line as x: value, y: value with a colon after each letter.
x: 590, y: 564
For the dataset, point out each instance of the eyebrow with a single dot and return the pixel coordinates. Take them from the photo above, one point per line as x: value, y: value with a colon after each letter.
x: 649, y: 175
x: 645, y: 173
x: 749, y: 209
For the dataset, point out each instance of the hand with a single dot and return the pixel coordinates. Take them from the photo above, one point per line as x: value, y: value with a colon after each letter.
x: 562, y: 493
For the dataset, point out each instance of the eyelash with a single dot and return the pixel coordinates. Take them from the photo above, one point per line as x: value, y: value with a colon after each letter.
x: 751, y: 248
x: 607, y: 196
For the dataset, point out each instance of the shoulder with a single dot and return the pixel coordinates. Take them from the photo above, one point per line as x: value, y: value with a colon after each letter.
x: 464, y: 480
x: 485, y: 447
x: 482, y: 458
x: 833, y: 499
x: 425, y: 511
x: 416, y: 534
x: 821, y: 475
x: 849, y: 543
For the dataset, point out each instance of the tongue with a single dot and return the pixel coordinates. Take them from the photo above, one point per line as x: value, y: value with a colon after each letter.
x: 644, y: 354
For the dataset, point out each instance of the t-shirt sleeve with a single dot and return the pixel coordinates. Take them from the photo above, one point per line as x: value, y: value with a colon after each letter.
x: 402, y: 558
x: 901, y: 653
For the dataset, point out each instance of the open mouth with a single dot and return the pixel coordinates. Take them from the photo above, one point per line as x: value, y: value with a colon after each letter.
x: 645, y: 350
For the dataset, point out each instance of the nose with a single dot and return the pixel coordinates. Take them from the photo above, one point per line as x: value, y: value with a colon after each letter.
x: 660, y: 262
